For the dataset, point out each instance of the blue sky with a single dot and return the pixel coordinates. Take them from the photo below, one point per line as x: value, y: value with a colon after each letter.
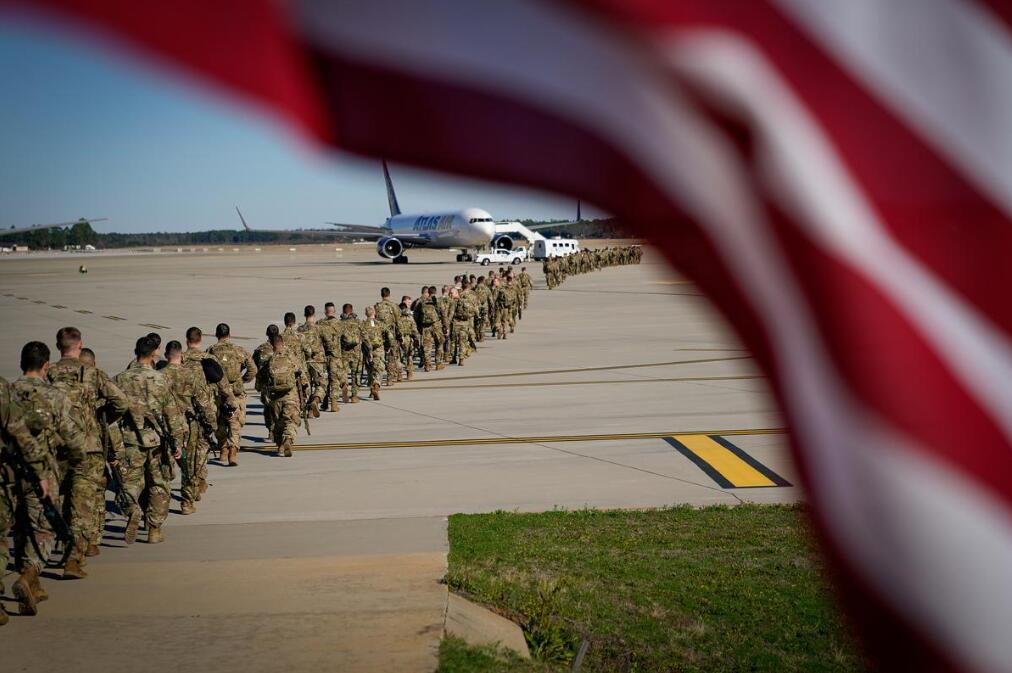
x: 85, y: 132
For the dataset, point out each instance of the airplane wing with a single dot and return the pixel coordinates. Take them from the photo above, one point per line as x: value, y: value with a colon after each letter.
x: 375, y: 233
x: 39, y: 227
x: 551, y: 225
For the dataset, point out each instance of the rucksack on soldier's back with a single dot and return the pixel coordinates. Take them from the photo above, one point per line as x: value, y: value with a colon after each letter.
x: 231, y: 363
x: 429, y: 314
x: 280, y: 375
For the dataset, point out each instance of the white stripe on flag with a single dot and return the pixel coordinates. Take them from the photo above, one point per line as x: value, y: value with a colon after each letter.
x: 943, y: 66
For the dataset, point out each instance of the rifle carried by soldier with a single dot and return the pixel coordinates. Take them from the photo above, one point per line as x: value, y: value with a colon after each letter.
x: 304, y: 406
x: 24, y: 474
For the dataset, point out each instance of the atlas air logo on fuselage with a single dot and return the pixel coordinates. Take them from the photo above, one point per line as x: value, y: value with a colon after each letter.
x: 433, y: 223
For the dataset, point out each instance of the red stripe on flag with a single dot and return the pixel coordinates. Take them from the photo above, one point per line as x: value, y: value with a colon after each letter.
x: 927, y: 205
x: 245, y: 45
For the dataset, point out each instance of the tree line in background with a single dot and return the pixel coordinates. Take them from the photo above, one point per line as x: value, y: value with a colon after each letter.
x: 81, y: 234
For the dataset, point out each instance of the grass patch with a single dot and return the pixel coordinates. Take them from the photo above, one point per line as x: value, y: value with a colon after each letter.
x: 682, y: 589
x: 456, y: 656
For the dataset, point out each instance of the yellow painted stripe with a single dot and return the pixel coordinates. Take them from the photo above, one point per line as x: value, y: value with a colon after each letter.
x: 547, y: 439
x: 733, y: 468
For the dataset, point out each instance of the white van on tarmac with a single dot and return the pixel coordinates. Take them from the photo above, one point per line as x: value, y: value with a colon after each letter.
x: 555, y: 247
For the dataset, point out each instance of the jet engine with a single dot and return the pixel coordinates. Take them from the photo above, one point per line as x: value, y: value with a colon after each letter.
x: 502, y: 242
x: 389, y: 247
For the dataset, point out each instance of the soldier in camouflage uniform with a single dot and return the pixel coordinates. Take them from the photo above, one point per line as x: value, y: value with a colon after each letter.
x: 373, y: 350
x: 316, y: 359
x: 151, y: 446
x: 439, y: 335
x: 525, y: 286
x: 337, y: 374
x: 481, y: 321
x: 351, y: 351
x: 502, y: 310
x: 281, y: 380
x: 239, y: 369
x: 90, y: 391
x: 64, y: 438
x: 293, y: 341
x: 427, y: 318
x: 186, y: 384
x: 18, y: 445
x: 261, y: 355
x: 387, y: 314
x: 209, y: 394
x: 464, y: 308
x: 407, y: 334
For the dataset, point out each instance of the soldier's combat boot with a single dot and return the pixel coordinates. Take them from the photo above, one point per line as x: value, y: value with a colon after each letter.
x: 23, y: 592
x: 354, y: 398
x: 92, y: 550
x: 155, y: 535
x: 233, y: 455
x: 187, y: 507
x: 314, y: 407
x: 409, y: 374
x: 202, y: 489
x: 40, y: 593
x: 73, y: 570
x: 133, y: 523
x: 288, y: 449
x: 374, y: 391
x: 344, y: 393
x: 439, y: 365
x: 425, y: 368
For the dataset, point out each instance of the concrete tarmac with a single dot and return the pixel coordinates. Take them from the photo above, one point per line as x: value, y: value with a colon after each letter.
x: 331, y: 560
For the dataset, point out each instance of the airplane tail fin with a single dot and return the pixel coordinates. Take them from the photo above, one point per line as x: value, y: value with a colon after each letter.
x: 243, y: 219
x: 391, y: 196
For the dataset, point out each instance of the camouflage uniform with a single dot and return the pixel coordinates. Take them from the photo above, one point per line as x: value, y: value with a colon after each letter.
x: 63, y: 435
x: 427, y: 317
x: 502, y: 311
x: 409, y: 338
x: 208, y: 394
x: 239, y: 369
x: 443, y: 348
x: 261, y: 355
x: 387, y: 313
x: 146, y: 448
x: 316, y: 363
x: 525, y: 285
x: 481, y: 320
x: 463, y: 317
x: 17, y: 444
x: 373, y: 342
x: 337, y: 373
x: 186, y: 385
x: 89, y: 389
x: 351, y: 352
x: 279, y: 380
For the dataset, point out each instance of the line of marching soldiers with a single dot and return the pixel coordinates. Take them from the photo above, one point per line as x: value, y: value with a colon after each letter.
x: 304, y: 370
x: 557, y: 269
x: 70, y: 432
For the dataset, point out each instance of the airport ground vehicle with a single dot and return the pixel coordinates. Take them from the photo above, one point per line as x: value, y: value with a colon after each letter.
x: 555, y: 247
x: 500, y: 256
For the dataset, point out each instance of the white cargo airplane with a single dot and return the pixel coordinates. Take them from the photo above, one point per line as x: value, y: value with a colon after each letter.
x: 466, y: 229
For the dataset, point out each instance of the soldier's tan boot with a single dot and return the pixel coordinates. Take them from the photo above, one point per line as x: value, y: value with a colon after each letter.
x: 439, y: 365
x: 354, y: 398
x: 374, y: 391
x: 133, y: 523
x: 410, y: 375
x: 315, y: 407
x: 332, y: 404
x: 73, y: 570
x: 288, y: 449
x: 40, y: 593
x: 233, y: 456
x: 202, y: 489
x: 155, y: 535
x: 344, y: 394
x: 27, y: 603
x: 186, y: 507
x: 92, y: 550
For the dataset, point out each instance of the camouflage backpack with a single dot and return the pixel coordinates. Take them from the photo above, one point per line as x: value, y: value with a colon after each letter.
x: 229, y: 359
x: 351, y: 335
x: 77, y: 382
x: 280, y: 375
x: 385, y: 312
x: 430, y: 314
x: 38, y: 412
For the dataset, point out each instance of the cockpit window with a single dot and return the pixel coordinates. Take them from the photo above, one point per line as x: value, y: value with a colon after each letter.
x: 480, y: 219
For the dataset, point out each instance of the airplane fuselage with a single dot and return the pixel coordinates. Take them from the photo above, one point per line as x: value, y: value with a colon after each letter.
x: 466, y: 228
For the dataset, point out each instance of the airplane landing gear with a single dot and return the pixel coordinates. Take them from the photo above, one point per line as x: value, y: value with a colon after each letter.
x: 465, y: 257
x: 403, y: 259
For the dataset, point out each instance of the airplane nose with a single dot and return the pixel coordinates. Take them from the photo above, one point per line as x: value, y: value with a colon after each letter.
x: 488, y: 228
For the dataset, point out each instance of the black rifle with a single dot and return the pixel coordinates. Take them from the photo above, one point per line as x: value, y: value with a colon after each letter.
x: 304, y: 407
x: 124, y: 501
x: 24, y: 474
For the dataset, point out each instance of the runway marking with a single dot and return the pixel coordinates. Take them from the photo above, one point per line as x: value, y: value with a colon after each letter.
x: 113, y: 317
x: 725, y: 463
x: 153, y: 325
x: 595, y: 369
x: 549, y: 439
x: 538, y: 384
x: 57, y: 306
x: 38, y: 301
x: 83, y: 311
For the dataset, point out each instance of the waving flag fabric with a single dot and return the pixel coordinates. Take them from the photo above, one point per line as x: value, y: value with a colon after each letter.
x: 836, y: 175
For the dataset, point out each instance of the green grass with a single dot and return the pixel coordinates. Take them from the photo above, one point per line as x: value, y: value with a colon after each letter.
x: 456, y: 656
x: 683, y: 589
